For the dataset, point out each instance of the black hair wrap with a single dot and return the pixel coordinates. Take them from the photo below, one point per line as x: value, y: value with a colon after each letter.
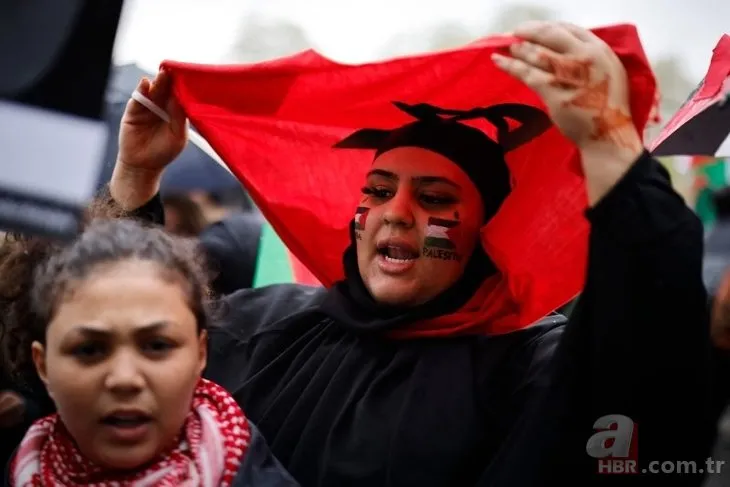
x: 440, y: 130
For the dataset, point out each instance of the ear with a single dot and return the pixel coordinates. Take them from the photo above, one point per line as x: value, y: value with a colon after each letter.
x: 202, y: 351
x: 38, y: 353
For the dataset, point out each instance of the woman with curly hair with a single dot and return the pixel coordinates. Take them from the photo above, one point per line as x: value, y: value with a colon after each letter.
x: 120, y: 340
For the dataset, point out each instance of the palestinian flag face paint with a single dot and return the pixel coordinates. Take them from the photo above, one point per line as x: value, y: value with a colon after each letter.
x: 439, y: 241
x: 437, y: 233
x: 361, y: 216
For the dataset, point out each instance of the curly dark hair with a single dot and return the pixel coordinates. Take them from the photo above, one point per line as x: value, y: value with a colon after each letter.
x: 36, y: 273
x: 110, y: 241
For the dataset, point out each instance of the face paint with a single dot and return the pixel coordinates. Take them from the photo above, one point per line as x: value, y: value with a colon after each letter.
x: 439, y: 241
x: 361, y: 216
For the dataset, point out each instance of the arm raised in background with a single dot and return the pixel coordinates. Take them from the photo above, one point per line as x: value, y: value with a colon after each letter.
x: 147, y: 144
x: 637, y: 343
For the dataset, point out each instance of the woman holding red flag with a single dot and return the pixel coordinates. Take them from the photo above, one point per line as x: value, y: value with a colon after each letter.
x: 387, y: 379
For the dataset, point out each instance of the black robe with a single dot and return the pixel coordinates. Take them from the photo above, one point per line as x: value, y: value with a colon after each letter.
x: 344, y: 406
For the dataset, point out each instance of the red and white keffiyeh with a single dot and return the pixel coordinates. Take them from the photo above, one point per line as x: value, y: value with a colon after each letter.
x: 214, y: 442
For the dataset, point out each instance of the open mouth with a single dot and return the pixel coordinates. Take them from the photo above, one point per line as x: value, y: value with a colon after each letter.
x: 126, y: 420
x: 397, y: 253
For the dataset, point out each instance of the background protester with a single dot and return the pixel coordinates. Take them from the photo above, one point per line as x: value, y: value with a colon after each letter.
x: 120, y: 342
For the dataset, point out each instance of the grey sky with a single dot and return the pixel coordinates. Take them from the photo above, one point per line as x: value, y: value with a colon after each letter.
x: 357, y: 31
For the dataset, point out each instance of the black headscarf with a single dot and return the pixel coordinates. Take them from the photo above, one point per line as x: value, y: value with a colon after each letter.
x: 340, y: 403
x: 482, y: 159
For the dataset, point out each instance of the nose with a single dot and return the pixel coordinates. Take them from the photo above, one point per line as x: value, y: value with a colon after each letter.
x: 124, y: 376
x: 399, y: 210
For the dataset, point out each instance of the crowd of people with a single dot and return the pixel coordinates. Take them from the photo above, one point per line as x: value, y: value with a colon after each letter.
x: 135, y: 356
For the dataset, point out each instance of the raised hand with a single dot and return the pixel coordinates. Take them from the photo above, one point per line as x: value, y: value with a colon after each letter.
x: 147, y: 144
x: 585, y: 88
x: 145, y: 140
x: 579, y: 78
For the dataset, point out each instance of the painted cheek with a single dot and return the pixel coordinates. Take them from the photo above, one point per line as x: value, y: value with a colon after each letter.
x: 443, y: 239
x: 456, y: 233
x: 361, y: 217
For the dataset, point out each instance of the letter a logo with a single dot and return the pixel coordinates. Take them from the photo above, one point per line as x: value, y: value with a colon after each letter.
x: 614, y: 438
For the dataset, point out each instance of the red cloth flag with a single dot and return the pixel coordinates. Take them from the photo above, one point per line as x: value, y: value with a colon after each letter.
x: 274, y: 124
x: 713, y: 87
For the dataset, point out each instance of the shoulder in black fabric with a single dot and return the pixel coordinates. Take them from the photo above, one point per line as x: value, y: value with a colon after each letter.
x: 259, y: 310
x: 339, y: 408
x: 260, y: 468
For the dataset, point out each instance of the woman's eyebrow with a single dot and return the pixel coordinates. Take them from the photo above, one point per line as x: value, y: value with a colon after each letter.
x: 416, y: 179
x: 434, y: 179
x: 383, y: 173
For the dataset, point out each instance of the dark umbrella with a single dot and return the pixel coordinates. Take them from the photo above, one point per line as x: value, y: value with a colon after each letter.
x: 192, y: 170
x: 702, y: 125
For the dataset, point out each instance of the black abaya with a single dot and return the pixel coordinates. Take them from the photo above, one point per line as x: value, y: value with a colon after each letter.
x: 343, y: 405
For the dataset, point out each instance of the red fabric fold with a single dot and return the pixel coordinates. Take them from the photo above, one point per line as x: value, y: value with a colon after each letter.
x: 706, y: 95
x: 274, y: 124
